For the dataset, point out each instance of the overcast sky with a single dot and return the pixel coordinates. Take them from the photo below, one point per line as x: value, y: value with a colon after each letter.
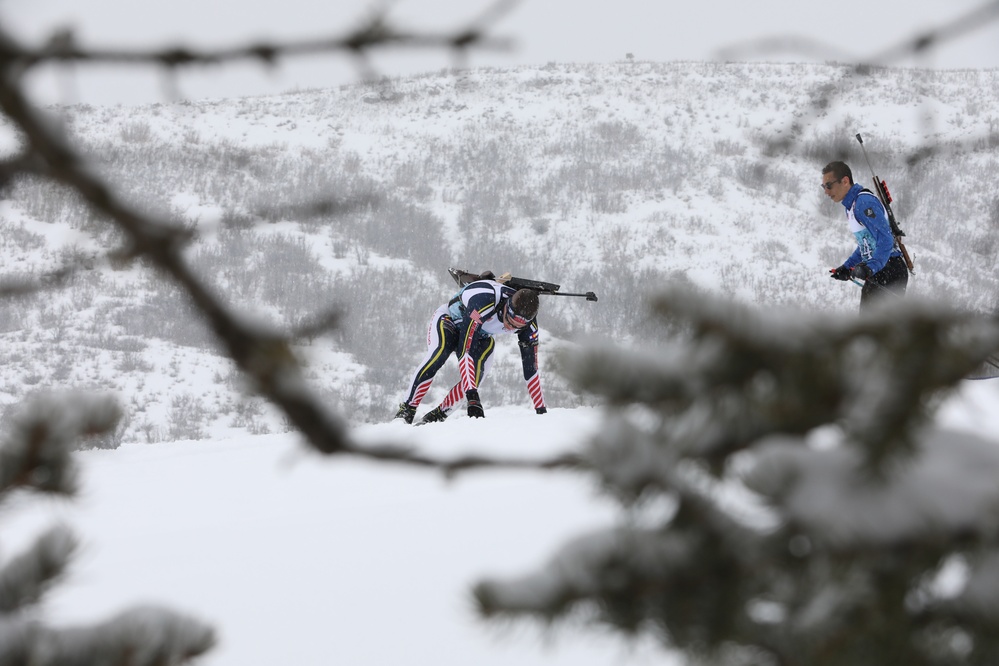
x: 543, y: 31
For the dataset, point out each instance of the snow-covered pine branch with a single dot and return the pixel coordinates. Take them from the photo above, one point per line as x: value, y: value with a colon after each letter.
x: 859, y: 501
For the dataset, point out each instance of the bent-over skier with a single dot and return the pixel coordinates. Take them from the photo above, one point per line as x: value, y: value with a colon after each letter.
x: 466, y: 326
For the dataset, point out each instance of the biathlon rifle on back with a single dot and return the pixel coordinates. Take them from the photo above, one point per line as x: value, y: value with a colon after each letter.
x: 881, y: 189
x: 550, y: 288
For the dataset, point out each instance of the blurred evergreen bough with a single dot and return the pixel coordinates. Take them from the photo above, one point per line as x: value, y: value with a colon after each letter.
x: 787, y: 499
x: 35, y: 455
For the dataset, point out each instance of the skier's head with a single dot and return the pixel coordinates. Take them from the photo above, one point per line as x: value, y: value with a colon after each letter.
x: 521, y: 308
x: 839, y: 171
x: 837, y: 179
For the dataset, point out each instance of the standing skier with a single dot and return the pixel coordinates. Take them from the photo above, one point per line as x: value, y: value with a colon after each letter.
x: 466, y: 326
x: 877, y: 260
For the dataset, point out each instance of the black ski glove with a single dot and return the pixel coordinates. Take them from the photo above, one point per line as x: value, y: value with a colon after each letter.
x: 841, y: 273
x: 474, y: 404
x: 861, y: 271
x: 541, y: 410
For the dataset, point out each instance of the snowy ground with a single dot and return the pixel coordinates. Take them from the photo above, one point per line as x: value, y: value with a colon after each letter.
x: 301, y: 560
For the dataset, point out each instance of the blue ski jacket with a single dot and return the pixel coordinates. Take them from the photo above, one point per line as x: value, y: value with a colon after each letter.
x: 869, y: 224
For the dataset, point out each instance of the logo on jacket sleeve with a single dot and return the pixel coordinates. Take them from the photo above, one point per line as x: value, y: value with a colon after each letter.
x: 869, y: 213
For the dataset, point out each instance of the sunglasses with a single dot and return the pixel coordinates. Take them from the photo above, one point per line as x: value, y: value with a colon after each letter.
x: 513, y: 319
x: 831, y: 183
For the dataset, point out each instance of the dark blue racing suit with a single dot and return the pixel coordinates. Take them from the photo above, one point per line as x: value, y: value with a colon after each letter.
x: 465, y: 326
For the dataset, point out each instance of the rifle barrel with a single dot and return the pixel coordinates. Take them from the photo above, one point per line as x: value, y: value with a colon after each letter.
x: 590, y: 296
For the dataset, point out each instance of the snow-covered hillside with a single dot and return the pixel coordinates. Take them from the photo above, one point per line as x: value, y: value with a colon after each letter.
x: 611, y: 178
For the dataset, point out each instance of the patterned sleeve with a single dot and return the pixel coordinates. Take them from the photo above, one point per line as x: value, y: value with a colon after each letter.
x: 528, y: 342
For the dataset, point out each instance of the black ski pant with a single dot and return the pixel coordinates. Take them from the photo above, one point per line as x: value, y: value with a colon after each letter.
x: 889, y: 282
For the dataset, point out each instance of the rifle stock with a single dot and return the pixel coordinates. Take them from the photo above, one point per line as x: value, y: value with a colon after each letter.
x: 882, y: 191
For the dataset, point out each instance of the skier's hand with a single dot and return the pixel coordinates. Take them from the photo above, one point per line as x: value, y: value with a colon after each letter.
x: 541, y: 410
x: 474, y: 404
x: 841, y: 273
x: 861, y: 271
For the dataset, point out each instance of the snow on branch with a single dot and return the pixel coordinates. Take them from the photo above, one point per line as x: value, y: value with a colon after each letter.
x: 601, y: 563
x: 35, y: 453
x: 740, y: 375
x: 35, y: 450
x: 947, y: 491
x: 145, y: 636
x: 25, y: 578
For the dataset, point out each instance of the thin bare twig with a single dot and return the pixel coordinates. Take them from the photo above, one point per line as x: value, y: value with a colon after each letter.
x: 976, y: 19
x: 375, y: 33
x: 450, y: 468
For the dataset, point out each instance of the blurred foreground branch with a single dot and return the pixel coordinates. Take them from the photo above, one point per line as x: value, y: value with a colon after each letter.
x: 377, y: 33
x: 780, y: 547
x: 35, y: 455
